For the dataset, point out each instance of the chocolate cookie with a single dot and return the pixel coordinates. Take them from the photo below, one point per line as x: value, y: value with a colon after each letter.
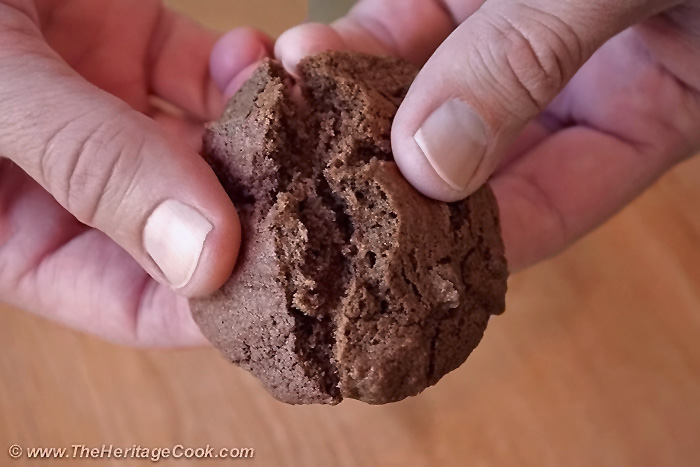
x: 350, y: 283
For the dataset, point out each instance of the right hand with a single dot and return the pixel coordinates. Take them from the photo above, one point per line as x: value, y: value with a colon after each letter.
x: 571, y: 108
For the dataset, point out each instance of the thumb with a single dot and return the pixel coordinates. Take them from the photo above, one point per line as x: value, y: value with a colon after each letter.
x: 496, y: 72
x: 113, y: 168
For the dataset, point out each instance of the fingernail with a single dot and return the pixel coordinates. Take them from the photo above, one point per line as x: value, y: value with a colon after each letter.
x: 453, y: 139
x: 174, y: 237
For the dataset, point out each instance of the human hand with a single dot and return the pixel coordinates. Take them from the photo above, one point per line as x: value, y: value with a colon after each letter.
x: 96, y: 197
x: 572, y: 108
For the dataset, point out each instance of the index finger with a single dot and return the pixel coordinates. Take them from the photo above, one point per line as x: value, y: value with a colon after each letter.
x: 411, y: 29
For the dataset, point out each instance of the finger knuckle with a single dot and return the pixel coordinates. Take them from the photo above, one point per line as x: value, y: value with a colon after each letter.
x: 536, y: 54
x: 90, y: 169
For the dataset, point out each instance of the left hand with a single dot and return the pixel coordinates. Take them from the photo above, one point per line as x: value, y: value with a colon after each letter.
x: 82, y: 168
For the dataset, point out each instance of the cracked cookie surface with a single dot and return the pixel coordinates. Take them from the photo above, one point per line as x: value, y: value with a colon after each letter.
x: 349, y: 283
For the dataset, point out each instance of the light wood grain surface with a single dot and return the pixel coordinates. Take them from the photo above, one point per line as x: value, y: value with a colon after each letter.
x: 596, y: 362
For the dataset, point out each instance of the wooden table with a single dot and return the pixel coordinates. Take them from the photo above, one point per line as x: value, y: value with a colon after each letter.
x: 596, y: 362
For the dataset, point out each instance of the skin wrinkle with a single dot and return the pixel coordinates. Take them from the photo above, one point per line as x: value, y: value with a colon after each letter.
x: 529, y: 49
x: 117, y: 180
x: 491, y: 80
x: 657, y: 25
x: 108, y: 180
x: 128, y: 192
x: 65, y: 191
x: 552, y: 76
x: 577, y: 50
x: 75, y: 199
x: 686, y: 151
x: 44, y: 155
x: 687, y: 87
x: 572, y: 50
x: 78, y: 152
x: 639, y: 146
x: 486, y: 77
